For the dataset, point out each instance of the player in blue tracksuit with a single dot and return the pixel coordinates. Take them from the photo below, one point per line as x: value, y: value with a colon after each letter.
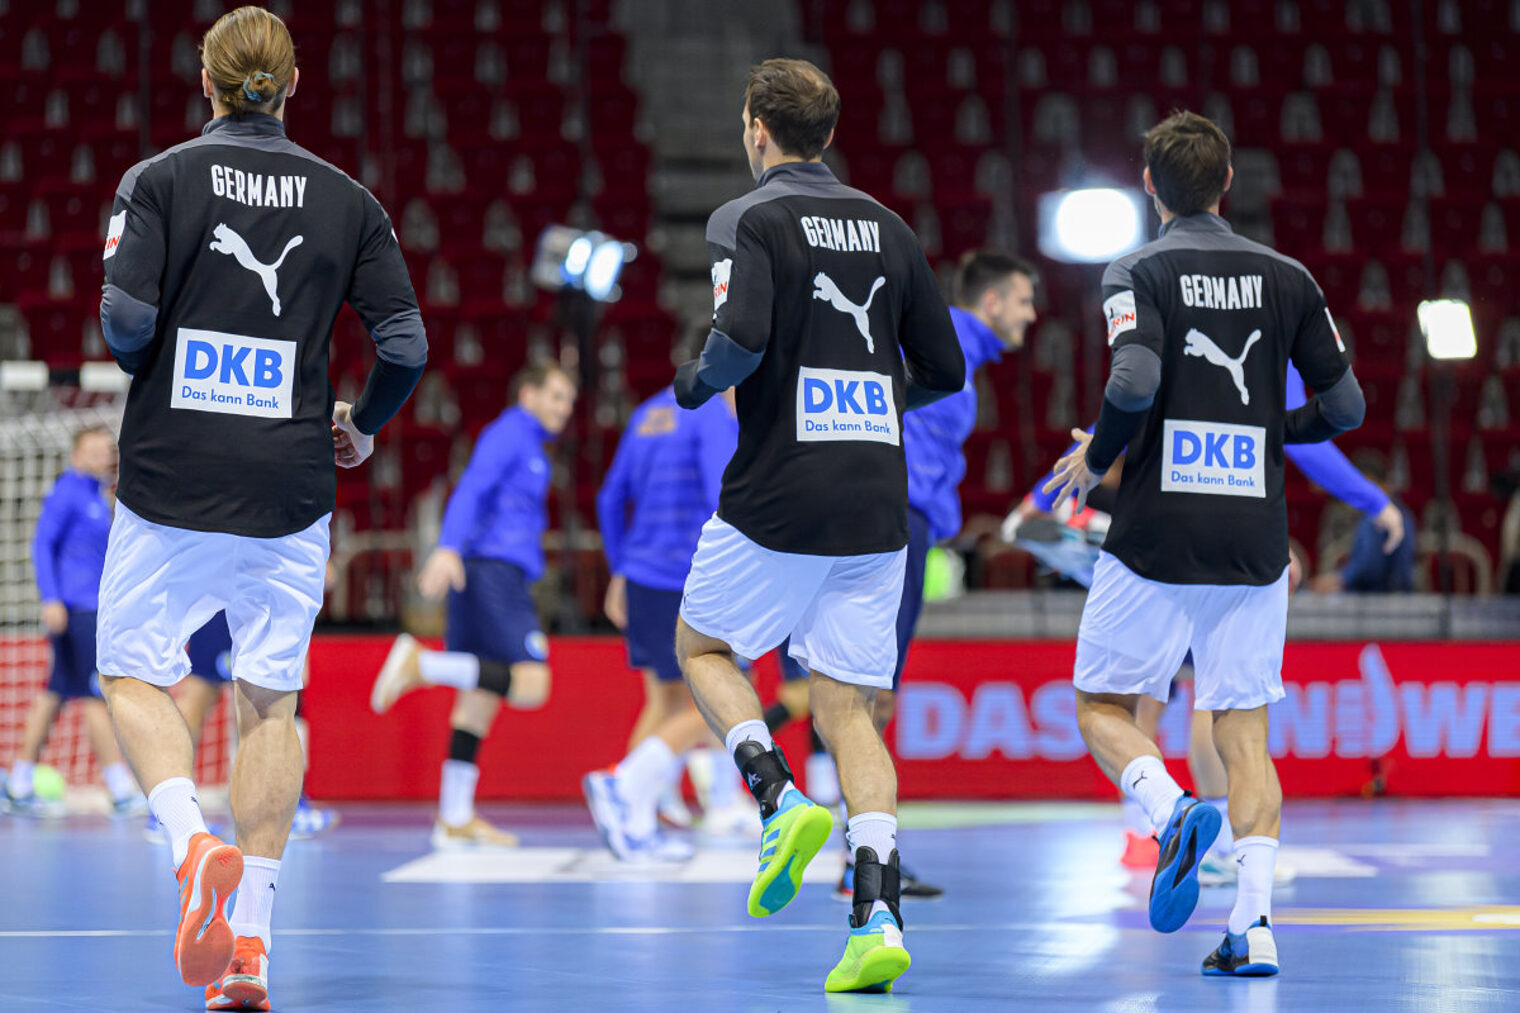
x: 662, y: 487
x: 1325, y: 465
x: 68, y: 554
x: 993, y: 307
x: 490, y: 550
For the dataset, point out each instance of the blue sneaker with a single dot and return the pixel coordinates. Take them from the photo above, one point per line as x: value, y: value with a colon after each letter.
x: 609, y: 811
x: 35, y: 808
x: 1252, y: 954
x: 1174, y: 890
x: 311, y: 820
x: 789, y: 840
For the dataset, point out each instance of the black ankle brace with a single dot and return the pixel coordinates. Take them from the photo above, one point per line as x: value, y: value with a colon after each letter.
x: 875, y: 881
x: 765, y: 773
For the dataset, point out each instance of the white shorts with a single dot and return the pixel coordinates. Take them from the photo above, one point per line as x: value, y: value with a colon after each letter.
x: 840, y: 611
x: 1135, y: 633
x: 161, y: 584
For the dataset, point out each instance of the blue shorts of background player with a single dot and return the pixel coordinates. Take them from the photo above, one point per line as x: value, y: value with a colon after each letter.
x: 908, y: 609
x: 210, y: 650
x: 73, y: 675
x: 651, y: 633
x: 494, y: 616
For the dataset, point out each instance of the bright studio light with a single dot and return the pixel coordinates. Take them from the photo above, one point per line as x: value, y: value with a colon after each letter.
x: 1091, y: 226
x: 1448, y: 328
x: 588, y: 261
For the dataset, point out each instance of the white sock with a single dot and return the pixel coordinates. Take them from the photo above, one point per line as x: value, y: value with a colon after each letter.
x: 874, y: 830
x: 642, y: 777
x: 877, y: 831
x: 822, y: 779
x: 724, y: 789
x: 1146, y: 781
x: 754, y: 731
x: 450, y: 668
x: 174, y: 803
x: 456, y: 795
x: 1256, y: 859
x: 1135, y: 820
x: 255, y: 899
x: 119, y: 781
x: 21, y: 778
x: 1224, y: 845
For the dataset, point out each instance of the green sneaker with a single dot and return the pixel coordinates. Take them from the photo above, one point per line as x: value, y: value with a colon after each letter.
x: 873, y: 960
x: 796, y: 831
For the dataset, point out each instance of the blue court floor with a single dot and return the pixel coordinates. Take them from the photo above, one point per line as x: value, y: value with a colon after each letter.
x: 1395, y: 906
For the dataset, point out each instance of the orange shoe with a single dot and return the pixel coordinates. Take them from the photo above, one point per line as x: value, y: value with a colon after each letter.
x: 1139, y: 852
x: 203, y: 943
x: 246, y: 983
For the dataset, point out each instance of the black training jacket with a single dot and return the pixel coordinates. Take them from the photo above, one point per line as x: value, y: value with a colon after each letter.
x: 1201, y: 501
x: 819, y: 295
x: 227, y: 259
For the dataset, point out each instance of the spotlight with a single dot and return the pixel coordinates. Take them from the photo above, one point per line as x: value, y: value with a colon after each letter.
x: 1448, y: 329
x: 1091, y: 226
x: 589, y: 262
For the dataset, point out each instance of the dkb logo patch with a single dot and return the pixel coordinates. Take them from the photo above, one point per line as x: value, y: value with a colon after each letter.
x: 1214, y: 458
x: 233, y: 374
x: 842, y: 404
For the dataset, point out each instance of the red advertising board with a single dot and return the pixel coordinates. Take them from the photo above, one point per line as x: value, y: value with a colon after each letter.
x: 976, y: 719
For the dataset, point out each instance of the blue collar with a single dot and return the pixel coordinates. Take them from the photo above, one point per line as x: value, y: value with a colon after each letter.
x: 1201, y: 222
x: 246, y: 125
x: 979, y: 342
x: 534, y: 427
x: 813, y: 172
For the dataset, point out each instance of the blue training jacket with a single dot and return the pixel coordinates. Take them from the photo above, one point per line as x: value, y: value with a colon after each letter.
x: 662, y: 487
x: 69, y: 547
x: 499, y: 509
x: 933, y: 436
x: 1323, y: 463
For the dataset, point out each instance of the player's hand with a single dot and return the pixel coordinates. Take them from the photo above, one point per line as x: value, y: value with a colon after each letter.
x: 1295, y: 570
x: 350, y: 447
x: 1390, y: 521
x: 443, y: 572
x: 615, y: 604
x: 1072, y: 475
x: 55, y: 617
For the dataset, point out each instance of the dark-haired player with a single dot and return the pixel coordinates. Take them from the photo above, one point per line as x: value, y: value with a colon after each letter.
x: 829, y: 322
x: 1203, y: 325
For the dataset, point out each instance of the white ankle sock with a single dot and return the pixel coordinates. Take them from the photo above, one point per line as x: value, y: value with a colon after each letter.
x: 754, y: 731
x: 1135, y: 820
x: 822, y: 779
x: 255, y: 899
x: 173, y: 801
x: 874, y: 830
x: 642, y: 776
x: 119, y: 781
x: 456, y: 795
x: 1224, y: 845
x: 21, y: 778
x: 450, y: 668
x: 1256, y: 859
x: 1146, y: 781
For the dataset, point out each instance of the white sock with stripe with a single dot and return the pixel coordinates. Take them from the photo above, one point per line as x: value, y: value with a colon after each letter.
x: 1256, y: 859
x: 174, y: 803
x: 255, y: 899
x: 1146, y: 781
